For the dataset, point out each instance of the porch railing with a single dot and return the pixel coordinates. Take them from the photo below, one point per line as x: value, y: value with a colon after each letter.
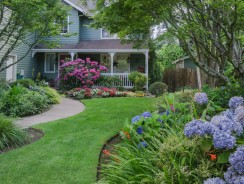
x: 124, y: 77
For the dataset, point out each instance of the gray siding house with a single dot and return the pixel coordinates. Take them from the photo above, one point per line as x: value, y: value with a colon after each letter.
x: 97, y: 44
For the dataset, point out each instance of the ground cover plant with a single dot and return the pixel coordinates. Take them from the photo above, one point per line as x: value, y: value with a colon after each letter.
x: 69, y: 151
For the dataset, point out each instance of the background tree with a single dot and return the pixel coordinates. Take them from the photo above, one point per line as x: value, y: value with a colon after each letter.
x: 209, y: 31
x: 26, y: 22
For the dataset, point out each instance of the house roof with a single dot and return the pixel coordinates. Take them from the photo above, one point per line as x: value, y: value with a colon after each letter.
x: 96, y: 45
x: 85, y: 8
x: 181, y: 59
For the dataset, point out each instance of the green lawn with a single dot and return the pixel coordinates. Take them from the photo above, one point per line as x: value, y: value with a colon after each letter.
x: 68, y: 153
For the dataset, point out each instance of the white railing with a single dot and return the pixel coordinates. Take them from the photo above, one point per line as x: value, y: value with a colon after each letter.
x: 122, y: 76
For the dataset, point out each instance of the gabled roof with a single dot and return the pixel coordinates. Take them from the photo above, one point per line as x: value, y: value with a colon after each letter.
x: 85, y: 8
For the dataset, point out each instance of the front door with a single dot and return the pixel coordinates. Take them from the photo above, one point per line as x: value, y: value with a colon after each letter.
x: 11, y: 71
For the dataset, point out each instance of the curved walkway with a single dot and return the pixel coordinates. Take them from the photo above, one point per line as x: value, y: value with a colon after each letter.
x: 66, y: 108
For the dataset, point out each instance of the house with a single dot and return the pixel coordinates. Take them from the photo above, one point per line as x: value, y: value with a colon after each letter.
x: 97, y: 44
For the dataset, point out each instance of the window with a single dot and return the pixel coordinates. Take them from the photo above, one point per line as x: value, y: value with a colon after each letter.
x: 64, y: 25
x: 50, y: 63
x: 106, y: 35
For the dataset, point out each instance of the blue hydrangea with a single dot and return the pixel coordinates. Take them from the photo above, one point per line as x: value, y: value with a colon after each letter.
x: 135, y: 119
x: 214, y: 181
x: 239, y: 115
x: 237, y: 160
x: 225, y: 124
x: 235, y: 102
x: 209, y: 128
x: 232, y: 177
x: 139, y: 130
x: 195, y: 127
x: 146, y: 114
x: 201, y: 98
x: 142, y: 144
x: 223, y: 140
x: 228, y: 113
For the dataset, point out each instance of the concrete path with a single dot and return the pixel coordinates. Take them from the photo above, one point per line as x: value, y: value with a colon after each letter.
x: 66, y: 108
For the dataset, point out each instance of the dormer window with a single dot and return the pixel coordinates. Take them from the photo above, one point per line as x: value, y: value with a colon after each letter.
x: 106, y: 35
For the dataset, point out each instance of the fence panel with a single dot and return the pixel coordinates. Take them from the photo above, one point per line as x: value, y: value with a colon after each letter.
x: 180, y: 77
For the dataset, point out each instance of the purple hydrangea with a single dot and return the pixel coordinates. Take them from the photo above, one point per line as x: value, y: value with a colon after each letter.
x: 214, y: 181
x: 146, y: 114
x: 235, y: 102
x: 232, y: 177
x: 135, y: 119
x: 223, y: 140
x: 237, y: 160
x: 142, y: 144
x: 225, y: 124
x: 201, y: 98
x: 139, y: 130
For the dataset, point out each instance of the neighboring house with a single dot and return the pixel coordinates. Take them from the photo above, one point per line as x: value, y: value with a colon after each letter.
x: 185, y: 62
x: 97, y: 44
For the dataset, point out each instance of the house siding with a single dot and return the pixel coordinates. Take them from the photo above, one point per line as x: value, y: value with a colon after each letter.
x: 189, y: 64
x: 27, y: 64
x: 73, y: 30
x: 87, y: 33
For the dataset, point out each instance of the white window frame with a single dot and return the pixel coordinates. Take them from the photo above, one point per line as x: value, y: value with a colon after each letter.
x: 115, y: 36
x: 14, y: 67
x: 45, y: 64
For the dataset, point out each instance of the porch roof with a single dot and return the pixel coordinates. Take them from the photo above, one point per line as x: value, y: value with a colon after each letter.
x: 92, y: 46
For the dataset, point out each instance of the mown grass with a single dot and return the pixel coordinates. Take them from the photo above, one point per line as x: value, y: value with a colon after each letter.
x: 68, y: 153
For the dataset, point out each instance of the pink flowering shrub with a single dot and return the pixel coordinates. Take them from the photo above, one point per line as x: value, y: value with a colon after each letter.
x: 79, y: 73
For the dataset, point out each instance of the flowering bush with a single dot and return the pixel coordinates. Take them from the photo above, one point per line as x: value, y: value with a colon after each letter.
x: 80, y: 93
x: 79, y: 73
x: 226, y: 132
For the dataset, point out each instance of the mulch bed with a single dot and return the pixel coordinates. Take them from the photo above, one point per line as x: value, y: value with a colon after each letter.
x: 35, y: 135
x: 104, y: 158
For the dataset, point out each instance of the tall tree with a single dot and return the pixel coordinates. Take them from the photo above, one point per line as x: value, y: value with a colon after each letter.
x: 26, y: 22
x: 209, y: 31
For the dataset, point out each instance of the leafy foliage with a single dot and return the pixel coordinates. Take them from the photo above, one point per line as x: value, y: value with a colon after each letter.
x: 158, y: 88
x: 20, y: 20
x: 10, y: 134
x: 138, y: 79
x: 168, y: 54
x: 19, y: 101
x: 24, y: 82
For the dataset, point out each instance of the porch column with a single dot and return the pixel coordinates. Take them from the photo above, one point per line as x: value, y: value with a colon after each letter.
x: 72, y: 54
x: 146, y: 65
x: 112, y: 62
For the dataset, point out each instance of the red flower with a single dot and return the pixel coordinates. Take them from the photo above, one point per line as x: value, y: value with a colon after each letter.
x: 106, y: 152
x: 127, y: 134
x: 213, y: 157
x: 172, y: 108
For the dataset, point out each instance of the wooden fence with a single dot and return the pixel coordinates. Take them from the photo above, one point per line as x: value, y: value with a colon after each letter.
x: 179, y: 78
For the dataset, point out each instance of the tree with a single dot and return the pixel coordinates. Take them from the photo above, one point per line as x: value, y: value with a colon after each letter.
x: 168, y: 53
x: 209, y: 31
x: 26, y: 23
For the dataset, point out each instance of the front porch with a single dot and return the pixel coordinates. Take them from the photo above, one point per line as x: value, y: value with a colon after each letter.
x: 118, y: 63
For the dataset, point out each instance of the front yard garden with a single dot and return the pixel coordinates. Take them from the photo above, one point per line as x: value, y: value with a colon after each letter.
x: 69, y: 151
